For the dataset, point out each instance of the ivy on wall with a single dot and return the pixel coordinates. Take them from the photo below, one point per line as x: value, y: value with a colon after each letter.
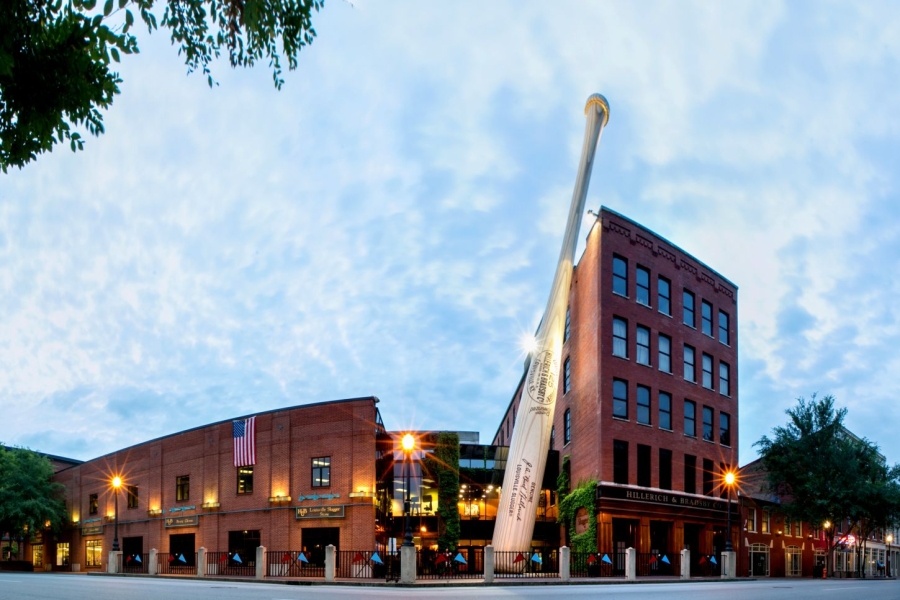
x: 583, y: 496
x: 444, y: 465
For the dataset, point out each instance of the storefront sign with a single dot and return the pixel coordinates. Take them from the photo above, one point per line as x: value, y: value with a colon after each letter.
x: 661, y: 498
x: 93, y: 530
x: 190, y: 521
x: 321, y: 512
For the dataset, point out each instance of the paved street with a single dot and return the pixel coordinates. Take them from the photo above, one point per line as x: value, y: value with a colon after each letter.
x: 44, y: 586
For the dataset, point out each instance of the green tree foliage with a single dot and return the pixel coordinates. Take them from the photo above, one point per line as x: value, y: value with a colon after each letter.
x: 443, y: 464
x: 28, y: 497
x: 821, y: 473
x: 56, y: 57
x: 584, y: 496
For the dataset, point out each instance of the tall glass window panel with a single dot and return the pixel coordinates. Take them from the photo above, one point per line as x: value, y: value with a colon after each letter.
x: 725, y: 429
x: 665, y: 410
x: 690, y: 418
x: 665, y: 469
x: 724, y: 378
x: 706, y: 316
x: 690, y: 474
x: 620, y: 275
x: 688, y: 306
x: 567, y: 376
x: 708, y: 424
x: 689, y: 366
x: 643, y: 286
x: 708, y: 474
x: 620, y: 462
x: 665, y: 353
x: 620, y: 337
x: 643, y: 465
x: 568, y: 324
x: 707, y: 371
x: 664, y: 295
x: 643, y: 345
x: 643, y: 404
x: 620, y: 399
x: 723, y: 327
x: 567, y: 426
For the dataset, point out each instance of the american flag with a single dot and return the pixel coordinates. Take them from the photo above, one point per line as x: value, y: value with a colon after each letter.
x: 244, y: 434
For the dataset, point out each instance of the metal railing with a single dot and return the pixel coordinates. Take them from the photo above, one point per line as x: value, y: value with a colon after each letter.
x: 366, y: 564
x: 133, y: 563
x: 176, y: 563
x: 706, y: 565
x: 231, y: 564
x: 293, y: 563
x: 465, y: 563
x: 597, y: 564
x: 662, y: 565
x: 528, y: 563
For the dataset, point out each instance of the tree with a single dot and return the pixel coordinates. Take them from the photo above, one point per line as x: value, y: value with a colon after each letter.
x: 29, y: 499
x: 56, y: 57
x: 816, y: 467
x: 443, y: 464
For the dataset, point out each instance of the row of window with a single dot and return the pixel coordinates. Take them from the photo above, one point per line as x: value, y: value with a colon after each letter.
x: 664, y: 299
x: 321, y: 477
x: 622, y: 473
x: 794, y: 529
x: 620, y: 349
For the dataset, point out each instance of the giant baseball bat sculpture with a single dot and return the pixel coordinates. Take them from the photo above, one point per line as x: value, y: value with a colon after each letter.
x: 531, y: 435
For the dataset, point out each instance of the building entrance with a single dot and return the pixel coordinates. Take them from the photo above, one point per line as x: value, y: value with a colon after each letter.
x: 314, y: 540
x: 181, y: 545
x: 692, y: 534
x: 624, y: 532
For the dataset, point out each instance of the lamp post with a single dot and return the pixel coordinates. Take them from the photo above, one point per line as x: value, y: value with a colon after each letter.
x: 887, y: 554
x: 408, y: 442
x: 729, y: 483
x: 116, y: 484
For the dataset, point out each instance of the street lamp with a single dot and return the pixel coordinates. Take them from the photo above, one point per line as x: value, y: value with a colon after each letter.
x: 887, y: 556
x: 729, y: 483
x: 408, y: 443
x: 116, y: 483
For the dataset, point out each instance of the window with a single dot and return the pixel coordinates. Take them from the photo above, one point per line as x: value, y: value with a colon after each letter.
x: 724, y: 429
x: 620, y: 276
x: 321, y: 471
x: 688, y: 301
x: 707, y: 477
x: 665, y: 353
x: 707, y: 371
x: 724, y: 378
x: 665, y: 469
x: 182, y: 488
x: 751, y: 519
x: 620, y: 399
x: 567, y: 426
x: 787, y: 527
x: 643, y: 345
x: 567, y: 376
x: 664, y: 295
x: 798, y: 528
x: 706, y: 317
x: 620, y: 461
x: 568, y: 324
x: 689, y: 372
x: 132, y: 492
x: 690, y: 418
x: 665, y: 410
x: 62, y: 554
x: 764, y: 523
x: 643, y: 286
x: 643, y: 404
x: 723, y: 327
x: 643, y: 465
x: 92, y: 504
x: 708, y: 424
x: 690, y: 474
x: 245, y: 480
x: 620, y: 337
x: 93, y: 553
x: 552, y: 437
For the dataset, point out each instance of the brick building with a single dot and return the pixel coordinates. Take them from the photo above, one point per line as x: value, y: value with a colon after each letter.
x: 312, y: 484
x: 648, y: 400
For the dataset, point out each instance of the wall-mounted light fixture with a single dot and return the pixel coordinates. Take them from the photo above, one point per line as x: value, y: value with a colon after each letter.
x: 279, y: 499
x: 154, y: 512
x: 361, y: 494
x: 210, y: 505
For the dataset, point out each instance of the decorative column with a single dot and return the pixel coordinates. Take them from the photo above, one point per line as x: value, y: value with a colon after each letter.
x: 329, y: 562
x: 489, y: 564
x: 685, y: 564
x: 630, y: 564
x: 260, y: 562
x: 564, y: 563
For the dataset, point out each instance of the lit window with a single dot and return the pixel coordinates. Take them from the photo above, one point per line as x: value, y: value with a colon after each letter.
x: 725, y: 429
x: 62, y: 554
x: 688, y: 300
x: 689, y: 368
x: 751, y: 519
x: 690, y: 418
x: 245, y: 480
x: 92, y: 504
x: 620, y: 337
x: 723, y: 327
x: 664, y: 295
x: 665, y: 410
x: 643, y: 345
x: 93, y: 553
x: 643, y: 286
x: 567, y: 429
x: 706, y: 317
x: 620, y: 276
x: 567, y: 372
x: 665, y: 353
x: 724, y: 378
x: 798, y: 528
x: 643, y: 404
x: 707, y: 371
x: 764, y: 523
x: 132, y: 492
x: 321, y: 471
x: 620, y: 399
x: 182, y: 488
x: 708, y: 424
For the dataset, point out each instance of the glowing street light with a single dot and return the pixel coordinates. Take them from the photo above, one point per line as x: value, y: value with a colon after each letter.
x: 408, y: 443
x: 116, y: 484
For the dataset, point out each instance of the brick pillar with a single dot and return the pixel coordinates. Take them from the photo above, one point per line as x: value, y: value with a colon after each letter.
x: 630, y: 564
x: 151, y: 568
x: 489, y: 564
x: 685, y: 564
x: 260, y: 562
x: 407, y: 564
x: 329, y: 562
x: 201, y: 562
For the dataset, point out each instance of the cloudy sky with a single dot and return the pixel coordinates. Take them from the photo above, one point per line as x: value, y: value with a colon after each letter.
x: 388, y: 223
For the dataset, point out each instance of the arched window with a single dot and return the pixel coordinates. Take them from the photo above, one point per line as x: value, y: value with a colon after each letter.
x: 567, y: 420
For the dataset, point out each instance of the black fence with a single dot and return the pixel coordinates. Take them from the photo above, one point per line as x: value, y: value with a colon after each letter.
x: 706, y: 565
x: 133, y: 563
x: 656, y: 564
x: 366, y: 564
x: 530, y: 563
x: 176, y: 563
x: 597, y: 564
x: 230, y: 564
x: 292, y: 563
x: 465, y: 563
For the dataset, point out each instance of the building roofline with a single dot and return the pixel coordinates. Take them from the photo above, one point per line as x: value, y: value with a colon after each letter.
x: 74, y: 461
x: 214, y: 423
x: 675, y: 246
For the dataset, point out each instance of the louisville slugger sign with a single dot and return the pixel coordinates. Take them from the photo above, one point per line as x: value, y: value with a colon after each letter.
x: 531, y: 435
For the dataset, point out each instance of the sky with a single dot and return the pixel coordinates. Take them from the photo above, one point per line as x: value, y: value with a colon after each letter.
x: 388, y: 223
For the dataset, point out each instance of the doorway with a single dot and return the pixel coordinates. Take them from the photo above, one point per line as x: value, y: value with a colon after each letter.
x: 181, y: 545
x: 314, y: 539
x: 692, y: 534
x: 624, y: 536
